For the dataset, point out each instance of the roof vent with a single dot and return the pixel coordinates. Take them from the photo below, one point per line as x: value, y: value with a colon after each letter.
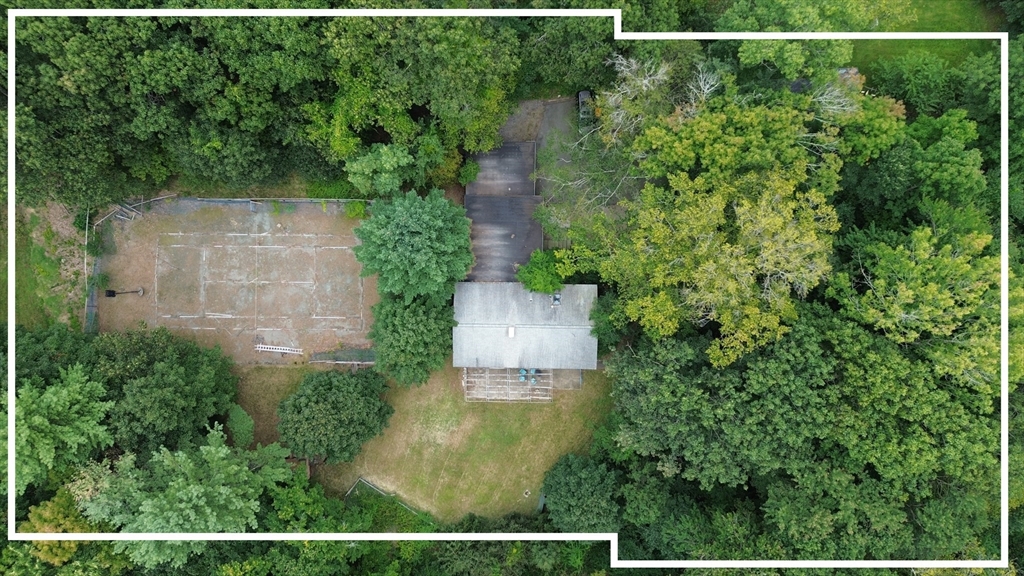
x: 511, y: 331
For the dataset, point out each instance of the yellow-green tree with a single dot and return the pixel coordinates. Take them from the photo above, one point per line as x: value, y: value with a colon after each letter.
x: 733, y: 244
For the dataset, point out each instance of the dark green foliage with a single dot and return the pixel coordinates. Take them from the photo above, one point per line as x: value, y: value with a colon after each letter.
x: 212, y: 488
x: 217, y: 554
x: 411, y: 339
x: 980, y: 97
x: 866, y: 519
x: 881, y: 192
x: 1016, y: 129
x: 460, y: 70
x: 920, y: 78
x: 515, y: 558
x: 418, y: 246
x: 869, y: 430
x: 828, y: 395
x: 723, y: 525
x: 165, y: 388
x: 381, y: 172
x: 568, y: 52
x: 3, y: 405
x: 83, y: 218
x: 540, y: 274
x: 224, y: 155
x: 332, y: 414
x: 212, y: 99
x: 935, y: 161
x: 298, y: 506
x: 605, y: 329
x: 43, y: 353
x: 430, y: 155
x: 333, y: 189
x: 930, y: 86
x: 241, y: 426
x: 1016, y: 405
x: 59, y: 425
x: 581, y: 496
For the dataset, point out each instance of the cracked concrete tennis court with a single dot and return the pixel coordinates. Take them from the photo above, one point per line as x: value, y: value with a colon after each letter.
x: 236, y: 274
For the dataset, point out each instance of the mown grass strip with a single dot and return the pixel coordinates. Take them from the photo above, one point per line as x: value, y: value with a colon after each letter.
x: 935, y: 16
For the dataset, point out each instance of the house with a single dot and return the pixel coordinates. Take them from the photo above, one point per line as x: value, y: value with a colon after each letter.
x: 512, y: 344
x: 503, y: 325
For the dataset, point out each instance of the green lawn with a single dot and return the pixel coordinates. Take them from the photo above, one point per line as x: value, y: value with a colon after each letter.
x: 935, y: 16
x: 448, y: 457
x: 32, y: 270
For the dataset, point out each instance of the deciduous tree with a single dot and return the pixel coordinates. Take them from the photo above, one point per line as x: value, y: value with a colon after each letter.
x: 380, y: 172
x: 412, y: 339
x: 893, y: 432
x: 580, y: 495
x: 59, y: 425
x: 58, y: 515
x: 1017, y: 127
x: 459, y: 69
x: 418, y: 246
x: 213, y: 488
x: 808, y: 58
x: 165, y: 388
x: 540, y: 274
x: 925, y: 287
x: 333, y: 414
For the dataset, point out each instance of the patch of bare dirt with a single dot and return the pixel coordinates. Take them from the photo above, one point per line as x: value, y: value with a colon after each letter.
x: 456, y: 193
x: 524, y: 124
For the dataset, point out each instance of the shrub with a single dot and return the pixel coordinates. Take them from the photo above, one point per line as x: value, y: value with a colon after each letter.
x: 332, y: 189
x: 241, y: 426
x: 468, y: 172
x: 84, y: 218
x: 100, y: 281
x: 540, y: 273
x: 446, y: 173
x: 604, y: 328
x: 356, y: 209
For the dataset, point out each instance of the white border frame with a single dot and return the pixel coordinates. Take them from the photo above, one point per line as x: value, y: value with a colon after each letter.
x: 612, y: 538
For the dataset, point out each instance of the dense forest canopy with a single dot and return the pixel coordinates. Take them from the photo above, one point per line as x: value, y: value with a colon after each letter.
x: 798, y: 269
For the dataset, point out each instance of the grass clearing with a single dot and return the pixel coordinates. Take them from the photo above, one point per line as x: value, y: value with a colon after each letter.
x: 50, y: 279
x: 33, y: 269
x: 449, y: 457
x: 935, y: 16
x: 261, y: 389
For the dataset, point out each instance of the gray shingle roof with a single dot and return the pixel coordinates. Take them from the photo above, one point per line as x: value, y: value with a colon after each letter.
x: 545, y: 336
